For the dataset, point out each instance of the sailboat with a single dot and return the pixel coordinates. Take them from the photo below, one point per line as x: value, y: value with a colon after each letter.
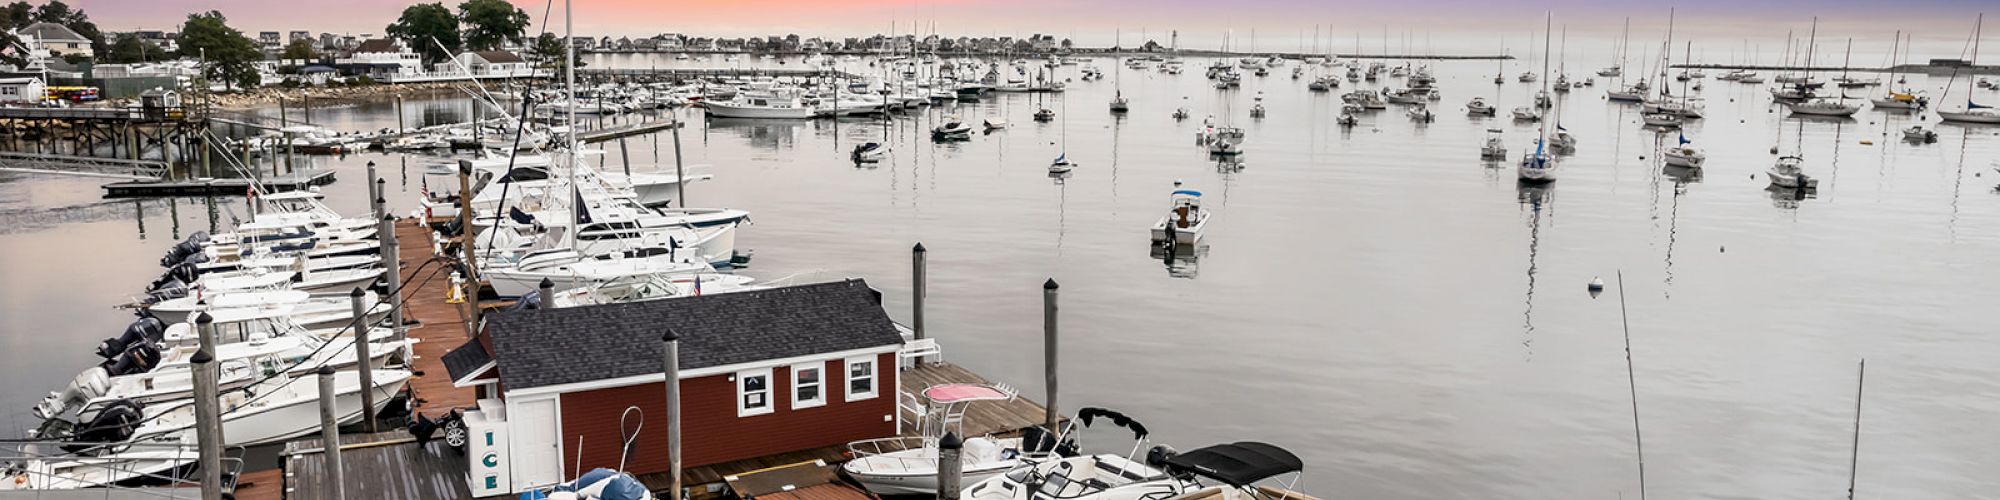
x: 1684, y: 154
x: 1119, y: 104
x: 1821, y: 106
x: 1226, y: 140
x: 1529, y: 76
x: 1789, y: 171
x: 1973, y: 112
x: 1062, y: 165
x: 1626, y: 93
x: 1540, y: 166
x: 1907, y: 98
x: 1562, y: 71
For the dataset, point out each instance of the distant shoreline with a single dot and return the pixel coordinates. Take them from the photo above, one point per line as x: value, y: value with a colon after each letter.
x: 1905, y: 68
x: 1071, y: 52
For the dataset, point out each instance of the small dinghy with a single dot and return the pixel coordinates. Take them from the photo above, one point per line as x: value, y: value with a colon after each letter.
x: 869, y: 153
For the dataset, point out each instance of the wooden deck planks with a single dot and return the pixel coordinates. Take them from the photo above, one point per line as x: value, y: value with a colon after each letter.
x: 439, y: 326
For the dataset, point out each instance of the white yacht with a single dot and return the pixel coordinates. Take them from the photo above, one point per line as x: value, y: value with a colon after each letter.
x: 1185, y: 220
x: 1789, y: 173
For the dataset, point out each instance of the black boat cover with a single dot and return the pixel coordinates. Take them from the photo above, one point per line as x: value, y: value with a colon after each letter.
x: 1086, y: 414
x: 1239, y: 463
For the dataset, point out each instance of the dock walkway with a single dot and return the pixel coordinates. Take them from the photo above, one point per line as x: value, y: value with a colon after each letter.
x: 299, y: 180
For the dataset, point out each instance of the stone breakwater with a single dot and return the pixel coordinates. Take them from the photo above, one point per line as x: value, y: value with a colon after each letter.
x: 269, y: 96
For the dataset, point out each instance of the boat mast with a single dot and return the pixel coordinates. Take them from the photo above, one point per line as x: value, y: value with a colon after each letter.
x: 1686, y: 58
x: 569, y: 113
x: 1548, y: 21
x: 1667, y: 53
x: 1624, y: 47
x: 1844, y: 62
x: 1977, y: 24
x: 1854, y: 453
x: 1895, y: 52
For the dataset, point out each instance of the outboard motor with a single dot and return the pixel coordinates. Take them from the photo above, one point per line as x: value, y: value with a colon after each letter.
x: 89, y: 384
x: 192, y: 260
x: 141, y: 331
x: 168, y: 291
x: 1157, y: 456
x: 139, y: 358
x: 114, y: 423
x: 1039, y: 440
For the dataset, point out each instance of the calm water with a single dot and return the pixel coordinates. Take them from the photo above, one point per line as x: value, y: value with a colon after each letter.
x: 1378, y: 299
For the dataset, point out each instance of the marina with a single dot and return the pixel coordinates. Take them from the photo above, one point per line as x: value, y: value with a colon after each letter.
x: 839, y: 275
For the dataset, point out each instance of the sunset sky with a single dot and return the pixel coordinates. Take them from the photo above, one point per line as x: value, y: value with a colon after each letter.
x: 1942, y: 27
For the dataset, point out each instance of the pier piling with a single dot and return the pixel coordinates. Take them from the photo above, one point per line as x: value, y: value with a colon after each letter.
x: 329, y: 433
x: 374, y: 192
x: 1054, y: 416
x: 672, y: 360
x: 545, y: 294
x: 466, y: 236
x: 949, y: 470
x: 364, y: 368
x: 208, y: 409
x: 392, y: 270
x: 918, y: 265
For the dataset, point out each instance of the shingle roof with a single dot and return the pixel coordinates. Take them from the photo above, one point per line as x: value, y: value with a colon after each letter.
x: 378, y: 45
x: 463, y: 361
x: 536, y: 348
x: 48, y: 32
x: 499, y: 56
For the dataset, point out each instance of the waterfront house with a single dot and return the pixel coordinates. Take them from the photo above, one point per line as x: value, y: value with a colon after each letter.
x: 381, y: 59
x: 57, y: 39
x: 22, y: 90
x: 762, y: 372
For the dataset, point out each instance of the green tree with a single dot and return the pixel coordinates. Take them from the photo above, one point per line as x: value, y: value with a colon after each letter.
x: 300, y: 49
x: 424, y: 27
x: 547, y: 51
x: 229, y: 56
x: 490, y: 24
x: 127, y: 48
x: 18, y: 14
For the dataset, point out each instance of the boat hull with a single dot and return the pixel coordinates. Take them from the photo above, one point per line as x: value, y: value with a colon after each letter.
x: 1969, y: 117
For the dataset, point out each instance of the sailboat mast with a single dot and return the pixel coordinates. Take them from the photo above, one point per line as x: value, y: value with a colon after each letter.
x: 1548, y: 22
x: 1895, y: 55
x: 1624, y: 48
x: 1854, y: 453
x: 569, y: 112
x: 1977, y: 24
x: 1666, y: 52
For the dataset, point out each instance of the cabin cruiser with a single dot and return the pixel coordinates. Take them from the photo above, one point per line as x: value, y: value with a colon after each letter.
x: 1789, y: 173
x: 1917, y: 133
x: 908, y: 465
x: 1366, y: 99
x: 1421, y: 113
x: 767, y: 102
x: 1479, y: 107
x: 1662, y: 120
x: 1185, y: 220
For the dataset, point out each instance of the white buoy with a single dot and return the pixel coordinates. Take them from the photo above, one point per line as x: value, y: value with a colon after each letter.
x: 1596, y: 286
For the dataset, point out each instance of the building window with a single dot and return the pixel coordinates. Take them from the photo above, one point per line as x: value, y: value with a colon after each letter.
x: 753, y: 392
x: 861, y: 378
x: 807, y: 389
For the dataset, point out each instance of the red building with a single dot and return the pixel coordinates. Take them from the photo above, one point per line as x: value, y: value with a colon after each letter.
x: 762, y: 372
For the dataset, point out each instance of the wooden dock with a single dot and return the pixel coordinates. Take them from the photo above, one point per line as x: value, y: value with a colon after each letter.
x: 385, y: 465
x: 628, y: 130
x: 295, y: 181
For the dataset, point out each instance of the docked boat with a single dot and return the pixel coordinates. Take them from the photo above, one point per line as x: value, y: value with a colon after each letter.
x: 1479, y: 107
x: 1234, y: 471
x: 908, y: 466
x: 571, y: 269
x: 1185, y: 220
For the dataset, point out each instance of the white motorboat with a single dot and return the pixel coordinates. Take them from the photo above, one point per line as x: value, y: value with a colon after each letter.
x: 1226, y: 141
x: 1185, y: 221
x: 1789, y: 173
x: 908, y: 466
x: 150, y: 461
x: 242, y: 359
x: 952, y: 130
x: 992, y: 124
x: 1917, y: 133
x: 868, y: 153
x: 1663, y: 120
x: 1529, y: 77
x: 181, y: 310
x: 1479, y: 107
x: 654, y: 287
x: 279, y: 408
x: 304, y: 309
x: 1527, y: 114
x: 1495, y: 147
x: 773, y: 103
x: 1231, y: 471
x: 571, y: 269
x: 1420, y: 114
x: 1347, y: 119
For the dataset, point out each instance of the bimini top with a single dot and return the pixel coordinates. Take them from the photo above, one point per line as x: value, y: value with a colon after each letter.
x: 1188, y: 192
x: 1089, y: 413
x: 959, y: 393
x: 1239, y: 463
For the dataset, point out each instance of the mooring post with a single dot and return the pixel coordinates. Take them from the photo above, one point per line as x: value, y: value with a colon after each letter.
x: 545, y: 294
x: 364, y: 368
x: 289, y: 151
x: 206, y: 172
x: 208, y: 409
x: 309, y: 105
x: 917, y: 275
x: 1053, y: 415
x: 672, y: 359
x: 329, y: 434
x: 680, y: 175
x: 374, y: 194
x: 466, y: 238
x: 625, y: 156
x: 949, y: 469
x: 392, y: 271
x: 400, y: 128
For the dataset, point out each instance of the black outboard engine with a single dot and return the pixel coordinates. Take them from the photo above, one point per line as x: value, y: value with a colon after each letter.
x: 180, y: 251
x: 192, y: 260
x: 114, y: 423
x: 139, y: 358
x: 447, y: 229
x: 170, y: 290
x: 1039, y: 440
x: 1157, y: 456
x: 142, y: 331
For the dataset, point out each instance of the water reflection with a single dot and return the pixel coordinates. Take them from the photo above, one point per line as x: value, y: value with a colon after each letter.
x: 761, y: 134
x: 1538, y: 203
x: 1182, y: 261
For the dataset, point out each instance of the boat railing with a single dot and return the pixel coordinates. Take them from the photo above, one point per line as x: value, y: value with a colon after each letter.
x: 883, y: 449
x: 111, y: 465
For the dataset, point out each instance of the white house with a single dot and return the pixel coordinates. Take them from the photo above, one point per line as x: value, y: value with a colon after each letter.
x: 488, y: 64
x: 59, y: 40
x: 382, y: 58
x: 25, y: 89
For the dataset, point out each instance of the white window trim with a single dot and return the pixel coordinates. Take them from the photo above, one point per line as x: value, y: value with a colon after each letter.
x: 809, y: 403
x: 847, y: 378
x: 741, y: 409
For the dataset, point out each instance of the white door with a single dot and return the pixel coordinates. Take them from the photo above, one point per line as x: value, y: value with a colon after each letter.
x: 537, y: 446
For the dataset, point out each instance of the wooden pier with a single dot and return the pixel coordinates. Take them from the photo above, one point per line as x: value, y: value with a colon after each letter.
x: 627, y: 130
x: 295, y: 181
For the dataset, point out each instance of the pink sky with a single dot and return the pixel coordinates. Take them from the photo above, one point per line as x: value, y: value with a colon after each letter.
x: 1453, y: 26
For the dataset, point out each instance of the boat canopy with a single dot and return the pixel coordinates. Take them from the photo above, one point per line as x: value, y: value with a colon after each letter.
x: 1188, y: 192
x: 1239, y: 463
x: 1087, y: 414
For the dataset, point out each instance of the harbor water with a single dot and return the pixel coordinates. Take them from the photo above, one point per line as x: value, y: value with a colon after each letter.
x: 1405, y: 316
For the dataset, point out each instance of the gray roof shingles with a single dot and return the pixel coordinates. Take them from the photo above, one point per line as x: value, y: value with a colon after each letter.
x: 461, y: 362
x: 536, y: 348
